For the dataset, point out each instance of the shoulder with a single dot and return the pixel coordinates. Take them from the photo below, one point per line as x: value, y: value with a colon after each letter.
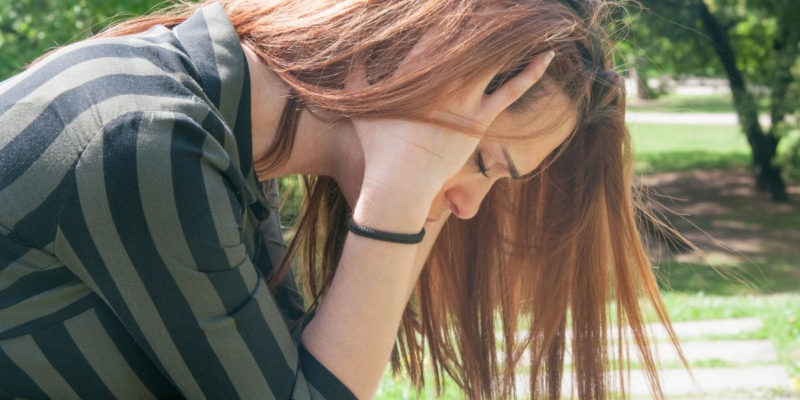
x: 186, y: 129
x: 95, y: 85
x: 149, y: 167
x: 100, y: 61
x: 89, y: 83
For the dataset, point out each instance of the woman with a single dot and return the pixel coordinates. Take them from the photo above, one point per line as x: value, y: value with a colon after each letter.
x: 470, y: 152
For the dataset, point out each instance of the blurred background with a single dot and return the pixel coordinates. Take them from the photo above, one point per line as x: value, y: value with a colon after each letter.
x: 714, y: 112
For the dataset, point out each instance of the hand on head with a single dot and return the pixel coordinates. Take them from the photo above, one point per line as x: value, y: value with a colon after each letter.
x: 407, y: 162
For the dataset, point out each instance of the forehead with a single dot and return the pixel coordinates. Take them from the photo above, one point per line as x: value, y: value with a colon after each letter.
x: 531, y: 132
x: 551, y: 112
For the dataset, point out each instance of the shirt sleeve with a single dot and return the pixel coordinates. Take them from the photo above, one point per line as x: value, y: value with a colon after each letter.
x: 285, y: 292
x: 155, y: 227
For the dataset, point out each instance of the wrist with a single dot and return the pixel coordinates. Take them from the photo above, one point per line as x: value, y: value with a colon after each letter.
x: 395, y: 212
x: 384, y: 236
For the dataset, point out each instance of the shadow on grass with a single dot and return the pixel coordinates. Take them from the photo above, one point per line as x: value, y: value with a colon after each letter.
x: 725, y: 280
x: 749, y: 244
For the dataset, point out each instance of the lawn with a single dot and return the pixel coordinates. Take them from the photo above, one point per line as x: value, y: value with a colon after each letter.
x: 671, y: 103
x: 749, y: 265
x: 663, y: 148
x: 780, y: 314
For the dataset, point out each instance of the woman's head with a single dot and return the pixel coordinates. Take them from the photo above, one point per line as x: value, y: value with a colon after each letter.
x: 562, y: 241
x: 315, y: 45
x: 466, y: 38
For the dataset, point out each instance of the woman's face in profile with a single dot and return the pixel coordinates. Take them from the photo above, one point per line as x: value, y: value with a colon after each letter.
x: 517, y: 142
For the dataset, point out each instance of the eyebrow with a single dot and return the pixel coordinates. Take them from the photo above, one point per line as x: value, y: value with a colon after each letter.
x: 512, y: 168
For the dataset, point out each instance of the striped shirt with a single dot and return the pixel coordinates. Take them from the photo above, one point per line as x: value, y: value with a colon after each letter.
x: 133, y: 261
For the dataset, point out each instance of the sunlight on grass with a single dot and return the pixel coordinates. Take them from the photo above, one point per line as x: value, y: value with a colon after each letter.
x: 667, y: 148
x: 398, y: 387
x: 657, y: 138
x: 779, y: 313
x: 715, y: 103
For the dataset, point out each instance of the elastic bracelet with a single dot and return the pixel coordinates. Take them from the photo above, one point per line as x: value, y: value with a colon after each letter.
x: 402, y: 238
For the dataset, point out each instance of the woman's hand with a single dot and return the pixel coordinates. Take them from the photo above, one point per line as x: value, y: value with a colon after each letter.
x: 407, y: 162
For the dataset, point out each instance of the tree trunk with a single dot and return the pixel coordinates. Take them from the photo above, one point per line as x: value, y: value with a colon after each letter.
x: 764, y: 147
x: 785, y: 47
x: 642, y: 90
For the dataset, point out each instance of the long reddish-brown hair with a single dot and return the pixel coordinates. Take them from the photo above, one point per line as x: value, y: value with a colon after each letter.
x: 548, y: 256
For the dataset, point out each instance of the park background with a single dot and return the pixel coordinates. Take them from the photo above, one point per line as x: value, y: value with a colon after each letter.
x: 714, y: 111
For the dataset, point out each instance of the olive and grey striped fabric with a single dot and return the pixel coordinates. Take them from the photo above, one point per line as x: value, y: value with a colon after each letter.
x: 132, y: 263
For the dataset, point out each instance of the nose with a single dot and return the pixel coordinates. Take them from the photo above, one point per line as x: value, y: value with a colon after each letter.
x: 465, y: 197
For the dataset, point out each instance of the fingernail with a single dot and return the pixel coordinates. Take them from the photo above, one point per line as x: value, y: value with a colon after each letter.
x: 549, y: 57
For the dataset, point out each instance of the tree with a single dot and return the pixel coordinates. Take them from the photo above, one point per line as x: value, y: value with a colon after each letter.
x: 28, y: 28
x: 754, y: 43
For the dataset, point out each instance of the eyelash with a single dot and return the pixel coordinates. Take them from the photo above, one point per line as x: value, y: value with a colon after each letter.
x: 481, y: 166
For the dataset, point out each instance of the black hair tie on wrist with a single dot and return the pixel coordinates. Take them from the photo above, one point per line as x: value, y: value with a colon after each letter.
x: 401, y: 238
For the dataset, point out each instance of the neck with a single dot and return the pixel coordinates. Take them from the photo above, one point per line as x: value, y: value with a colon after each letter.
x: 322, y: 146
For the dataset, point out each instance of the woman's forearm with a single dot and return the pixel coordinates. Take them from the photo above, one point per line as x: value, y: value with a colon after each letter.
x: 356, y: 323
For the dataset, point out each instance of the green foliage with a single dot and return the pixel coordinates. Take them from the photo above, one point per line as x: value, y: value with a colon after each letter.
x: 29, y: 28
x: 663, y: 40
x: 756, y: 42
x: 292, y: 191
x: 667, y: 37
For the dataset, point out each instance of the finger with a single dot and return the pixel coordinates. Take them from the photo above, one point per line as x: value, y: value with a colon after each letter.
x: 514, y: 88
x: 419, y: 52
x: 469, y: 96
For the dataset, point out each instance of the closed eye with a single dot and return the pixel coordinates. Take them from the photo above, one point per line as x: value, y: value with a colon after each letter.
x: 481, y: 165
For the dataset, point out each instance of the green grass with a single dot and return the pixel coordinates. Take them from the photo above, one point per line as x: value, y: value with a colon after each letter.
x: 716, y: 103
x: 780, y: 314
x: 704, y: 291
x: 771, y: 275
x: 397, y: 387
x: 662, y: 148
